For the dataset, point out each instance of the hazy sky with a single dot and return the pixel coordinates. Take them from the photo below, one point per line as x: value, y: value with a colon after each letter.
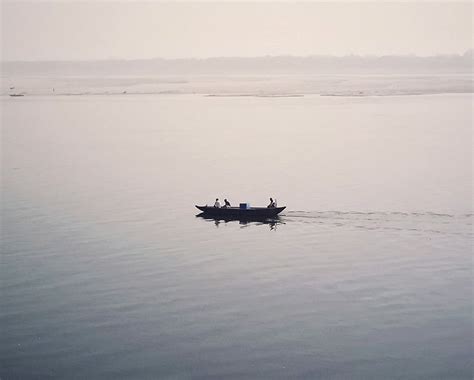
x: 73, y: 30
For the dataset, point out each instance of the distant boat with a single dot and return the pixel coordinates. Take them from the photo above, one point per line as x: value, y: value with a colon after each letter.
x: 241, y: 213
x: 17, y: 95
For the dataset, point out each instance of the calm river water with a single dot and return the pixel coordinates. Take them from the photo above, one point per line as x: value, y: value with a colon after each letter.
x: 106, y: 272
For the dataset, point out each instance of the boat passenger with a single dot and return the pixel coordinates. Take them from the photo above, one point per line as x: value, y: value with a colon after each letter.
x: 226, y: 203
x: 275, y: 203
x: 272, y: 204
x: 217, y: 204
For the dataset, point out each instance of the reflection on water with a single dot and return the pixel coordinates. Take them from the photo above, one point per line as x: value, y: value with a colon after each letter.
x: 243, y: 222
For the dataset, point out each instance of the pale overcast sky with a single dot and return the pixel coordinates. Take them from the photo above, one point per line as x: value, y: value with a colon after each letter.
x: 130, y: 30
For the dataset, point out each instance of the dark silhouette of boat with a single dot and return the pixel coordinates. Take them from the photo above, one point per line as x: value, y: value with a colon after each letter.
x: 17, y: 95
x: 255, y: 213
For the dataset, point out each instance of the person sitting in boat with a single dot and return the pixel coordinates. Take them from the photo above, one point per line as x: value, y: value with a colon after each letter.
x: 275, y: 203
x: 217, y: 204
x: 226, y: 203
x: 272, y: 204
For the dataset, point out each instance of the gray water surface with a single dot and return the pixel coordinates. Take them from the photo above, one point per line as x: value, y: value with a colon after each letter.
x: 106, y: 272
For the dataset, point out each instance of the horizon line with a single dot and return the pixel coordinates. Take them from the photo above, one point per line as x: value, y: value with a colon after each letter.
x: 369, y: 56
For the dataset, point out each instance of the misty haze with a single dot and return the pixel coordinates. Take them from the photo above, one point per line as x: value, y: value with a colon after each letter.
x: 263, y: 190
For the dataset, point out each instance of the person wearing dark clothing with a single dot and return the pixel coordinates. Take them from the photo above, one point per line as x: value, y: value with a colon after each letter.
x: 226, y: 203
x: 272, y: 204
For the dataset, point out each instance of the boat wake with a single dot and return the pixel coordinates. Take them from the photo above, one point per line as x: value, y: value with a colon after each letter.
x: 427, y: 222
x: 333, y: 213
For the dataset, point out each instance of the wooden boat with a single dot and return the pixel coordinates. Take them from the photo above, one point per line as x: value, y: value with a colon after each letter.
x: 241, y: 213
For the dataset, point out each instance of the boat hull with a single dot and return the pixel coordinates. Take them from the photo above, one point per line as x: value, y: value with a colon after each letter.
x: 238, y: 213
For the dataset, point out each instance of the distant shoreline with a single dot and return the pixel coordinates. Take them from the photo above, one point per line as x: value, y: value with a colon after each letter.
x: 273, y: 65
x: 26, y: 95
